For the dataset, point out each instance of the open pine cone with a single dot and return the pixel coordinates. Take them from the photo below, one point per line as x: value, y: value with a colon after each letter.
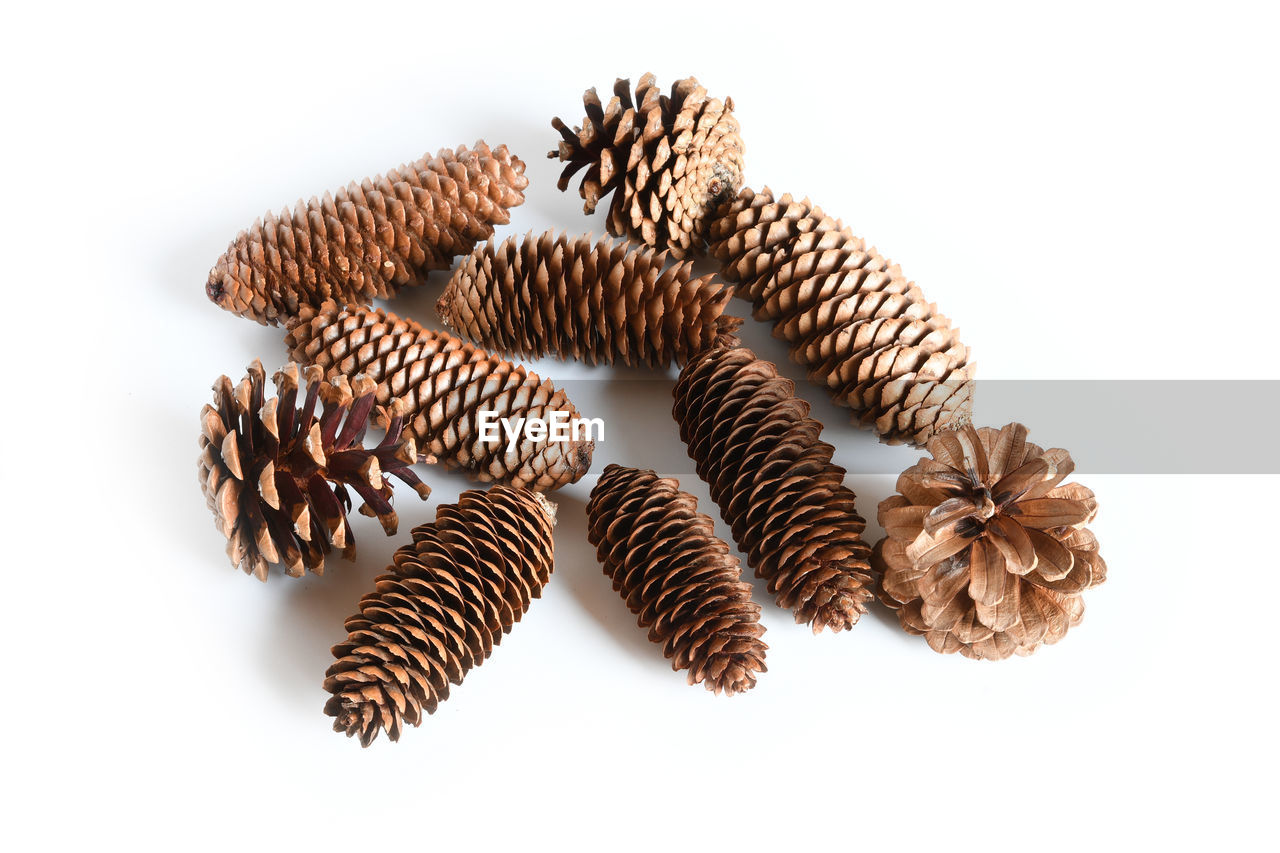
x: 668, y: 160
x: 985, y: 553
x: 276, y: 476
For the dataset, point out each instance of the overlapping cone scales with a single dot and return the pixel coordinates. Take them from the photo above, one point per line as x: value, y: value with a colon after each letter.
x: 276, y: 472
x: 369, y: 239
x: 444, y: 384
x: 770, y: 473
x: 568, y: 297
x: 863, y: 332
x: 668, y: 160
x: 986, y: 552
x: 677, y: 577
x: 443, y: 606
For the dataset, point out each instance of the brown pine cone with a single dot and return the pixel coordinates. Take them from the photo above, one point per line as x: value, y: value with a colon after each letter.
x: 671, y: 161
x: 276, y: 475
x: 367, y: 240
x: 761, y: 454
x: 985, y: 553
x: 601, y: 303
x: 677, y: 577
x: 440, y: 610
x: 444, y: 383
x: 862, y: 331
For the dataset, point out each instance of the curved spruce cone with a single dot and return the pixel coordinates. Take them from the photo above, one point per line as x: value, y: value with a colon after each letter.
x: 985, y: 553
x: 864, y: 333
x: 444, y: 384
x: 275, y: 474
x: 756, y: 447
x: 677, y: 577
x: 595, y: 302
x: 668, y: 160
x: 443, y: 606
x: 371, y: 238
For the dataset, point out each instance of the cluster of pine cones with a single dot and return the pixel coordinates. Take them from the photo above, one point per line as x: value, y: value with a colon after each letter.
x: 986, y: 550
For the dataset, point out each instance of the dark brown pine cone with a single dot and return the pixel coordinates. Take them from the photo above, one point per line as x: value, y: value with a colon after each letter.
x: 443, y: 606
x: 568, y: 297
x: 677, y: 577
x: 276, y: 474
x: 760, y: 453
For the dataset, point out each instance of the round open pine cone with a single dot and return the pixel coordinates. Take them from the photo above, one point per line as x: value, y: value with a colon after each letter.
x: 754, y: 444
x: 276, y: 475
x: 369, y: 239
x: 985, y: 553
x: 862, y: 331
x: 447, y: 600
x: 568, y: 297
x: 677, y: 577
x: 668, y: 160
x: 444, y: 383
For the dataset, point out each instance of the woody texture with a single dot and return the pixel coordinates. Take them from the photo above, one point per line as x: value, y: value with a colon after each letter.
x: 754, y: 444
x: 681, y: 581
x: 446, y: 601
x: 599, y: 302
x: 368, y: 239
x: 862, y: 331
x: 986, y: 552
x: 278, y: 475
x: 667, y: 160
x: 444, y: 383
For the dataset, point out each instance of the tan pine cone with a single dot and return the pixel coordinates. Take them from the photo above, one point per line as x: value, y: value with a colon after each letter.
x: 863, y: 332
x: 668, y: 160
x: 444, y: 604
x: 444, y: 383
x: 762, y: 456
x: 369, y: 239
x: 985, y: 553
x: 677, y: 577
x: 601, y: 302
x: 276, y: 472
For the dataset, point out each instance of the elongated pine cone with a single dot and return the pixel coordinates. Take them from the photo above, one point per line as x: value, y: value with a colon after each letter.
x: 444, y: 604
x: 985, y: 553
x: 754, y: 444
x: 276, y: 475
x: 863, y: 332
x: 668, y: 160
x: 369, y: 239
x: 601, y: 302
x: 677, y: 577
x: 445, y: 384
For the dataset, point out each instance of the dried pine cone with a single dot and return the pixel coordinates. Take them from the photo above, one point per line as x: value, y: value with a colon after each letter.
x: 568, y: 297
x: 369, y: 239
x: 669, y: 161
x: 862, y: 331
x: 443, y: 606
x: 444, y: 383
x: 985, y: 553
x: 761, y: 454
x: 677, y: 577
x: 275, y: 475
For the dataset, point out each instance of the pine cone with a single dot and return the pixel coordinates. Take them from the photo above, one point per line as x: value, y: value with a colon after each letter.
x: 367, y: 240
x: 444, y: 383
x: 761, y: 454
x: 276, y: 476
x: 985, y: 553
x: 862, y: 331
x: 677, y: 577
x: 671, y: 160
x: 573, y: 299
x: 443, y: 606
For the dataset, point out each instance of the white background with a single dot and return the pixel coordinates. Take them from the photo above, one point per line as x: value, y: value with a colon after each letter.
x: 1089, y: 193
